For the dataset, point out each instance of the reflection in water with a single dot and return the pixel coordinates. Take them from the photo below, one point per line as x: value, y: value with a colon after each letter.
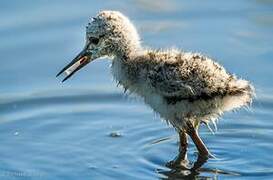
x: 193, y: 174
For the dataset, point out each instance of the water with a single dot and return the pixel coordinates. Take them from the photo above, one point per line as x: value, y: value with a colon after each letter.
x: 86, y: 129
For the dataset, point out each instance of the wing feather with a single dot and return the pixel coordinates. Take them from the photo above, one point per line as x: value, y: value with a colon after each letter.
x: 167, y: 80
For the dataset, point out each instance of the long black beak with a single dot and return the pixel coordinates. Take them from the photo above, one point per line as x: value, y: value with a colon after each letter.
x: 82, y: 59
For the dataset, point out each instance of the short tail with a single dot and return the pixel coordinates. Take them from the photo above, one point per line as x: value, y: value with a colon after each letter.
x: 241, y: 87
x: 240, y: 93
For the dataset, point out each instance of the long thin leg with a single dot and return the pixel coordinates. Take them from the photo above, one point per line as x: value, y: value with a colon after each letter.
x: 201, y: 147
x: 183, y: 145
x: 181, y: 160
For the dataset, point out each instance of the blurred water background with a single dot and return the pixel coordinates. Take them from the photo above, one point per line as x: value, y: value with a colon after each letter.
x: 86, y: 129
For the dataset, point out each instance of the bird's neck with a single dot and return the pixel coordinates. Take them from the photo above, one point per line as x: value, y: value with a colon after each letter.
x: 118, y: 69
x: 125, y: 53
x: 125, y: 49
x: 122, y: 68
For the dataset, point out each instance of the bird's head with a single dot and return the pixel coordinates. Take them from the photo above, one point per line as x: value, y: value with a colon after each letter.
x: 111, y: 34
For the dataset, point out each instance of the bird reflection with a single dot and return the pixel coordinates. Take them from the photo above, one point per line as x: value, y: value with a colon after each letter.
x: 196, y: 171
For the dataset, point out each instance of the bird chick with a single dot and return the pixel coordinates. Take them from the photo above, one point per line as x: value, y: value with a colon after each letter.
x: 184, y: 88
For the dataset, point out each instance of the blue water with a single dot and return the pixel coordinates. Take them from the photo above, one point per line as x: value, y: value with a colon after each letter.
x: 86, y: 129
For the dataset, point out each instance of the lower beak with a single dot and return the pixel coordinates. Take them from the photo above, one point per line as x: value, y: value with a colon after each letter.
x: 82, y: 59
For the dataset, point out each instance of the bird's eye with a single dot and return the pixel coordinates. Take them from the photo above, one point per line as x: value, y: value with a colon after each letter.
x: 94, y: 40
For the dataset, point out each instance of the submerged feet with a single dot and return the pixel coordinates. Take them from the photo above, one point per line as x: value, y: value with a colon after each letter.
x: 181, y: 161
x: 203, y: 153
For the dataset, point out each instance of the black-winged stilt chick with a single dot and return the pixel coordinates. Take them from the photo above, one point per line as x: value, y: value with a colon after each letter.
x: 186, y: 89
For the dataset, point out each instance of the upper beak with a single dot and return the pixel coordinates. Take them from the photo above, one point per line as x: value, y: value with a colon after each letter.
x: 82, y: 59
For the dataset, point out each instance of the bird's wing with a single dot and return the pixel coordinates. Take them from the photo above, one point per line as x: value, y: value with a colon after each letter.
x: 168, y: 80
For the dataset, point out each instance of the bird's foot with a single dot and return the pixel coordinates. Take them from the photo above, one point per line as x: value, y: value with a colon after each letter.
x: 201, y: 160
x: 182, y: 164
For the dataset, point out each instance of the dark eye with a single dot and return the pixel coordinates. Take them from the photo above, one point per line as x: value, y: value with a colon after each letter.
x: 94, y: 40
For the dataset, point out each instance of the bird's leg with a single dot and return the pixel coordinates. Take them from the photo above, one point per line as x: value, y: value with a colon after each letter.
x: 201, y: 147
x: 199, y: 162
x: 183, y: 146
x: 181, y: 160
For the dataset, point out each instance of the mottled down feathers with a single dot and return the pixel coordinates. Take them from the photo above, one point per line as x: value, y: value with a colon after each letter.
x: 178, y: 85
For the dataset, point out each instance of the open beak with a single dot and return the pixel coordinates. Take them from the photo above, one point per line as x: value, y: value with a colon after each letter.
x: 82, y: 59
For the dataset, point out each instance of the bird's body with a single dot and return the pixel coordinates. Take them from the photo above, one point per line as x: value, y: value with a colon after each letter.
x: 184, y: 88
x: 181, y: 85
